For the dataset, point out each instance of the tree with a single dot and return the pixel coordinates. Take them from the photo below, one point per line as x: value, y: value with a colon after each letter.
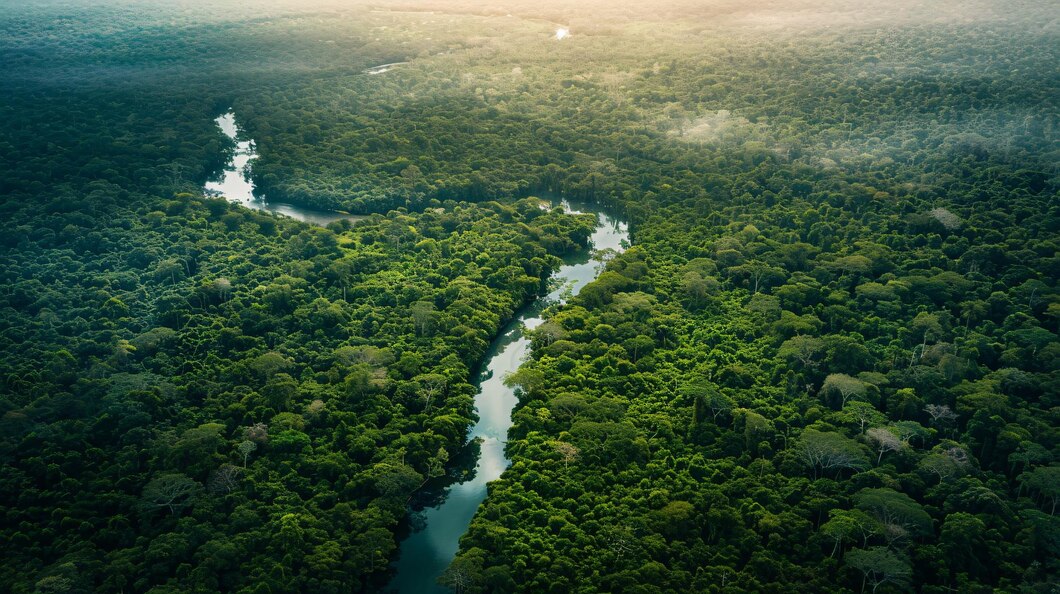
x: 279, y: 390
x: 343, y: 271
x: 804, y: 349
x: 197, y: 447
x: 527, y: 379
x: 843, y: 386
x: 568, y: 452
x: 908, y: 430
x: 878, y: 566
x: 940, y: 414
x: 464, y: 575
x: 638, y: 346
x: 945, y: 462
x: 855, y: 264
x: 225, y: 479
x: 927, y: 326
x: 258, y: 433
x: 549, y: 332
x: 759, y: 275
x: 435, y: 468
x: 568, y: 405
x: 396, y: 479
x: 436, y: 463
x: 705, y: 397
x: 423, y: 316
x: 315, y: 409
x: 431, y: 385
x: 245, y: 448
x: 222, y: 287
x: 754, y: 424
x: 173, y: 491
x: 896, y: 512
x: 697, y: 289
x: 946, y: 218
x: 961, y: 538
x: 270, y: 363
x: 846, y: 525
x: 826, y: 450
x: 1046, y: 481
x: 620, y: 540
x: 1029, y: 454
x: 863, y: 413
x: 884, y: 440
x: 676, y: 519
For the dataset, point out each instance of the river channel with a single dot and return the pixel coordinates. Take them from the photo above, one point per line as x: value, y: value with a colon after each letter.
x: 427, y: 552
x: 235, y: 183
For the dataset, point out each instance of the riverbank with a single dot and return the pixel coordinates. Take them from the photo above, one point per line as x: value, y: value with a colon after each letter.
x: 427, y: 552
x: 235, y: 183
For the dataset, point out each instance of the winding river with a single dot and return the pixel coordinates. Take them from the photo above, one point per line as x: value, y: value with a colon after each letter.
x: 235, y: 183
x: 426, y: 553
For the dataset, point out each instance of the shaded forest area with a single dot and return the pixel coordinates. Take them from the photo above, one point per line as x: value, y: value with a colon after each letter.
x: 828, y: 363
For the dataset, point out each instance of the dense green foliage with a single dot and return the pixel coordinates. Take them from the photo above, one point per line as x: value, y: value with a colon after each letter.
x: 832, y: 357
x: 199, y: 397
x: 828, y: 364
x: 299, y: 381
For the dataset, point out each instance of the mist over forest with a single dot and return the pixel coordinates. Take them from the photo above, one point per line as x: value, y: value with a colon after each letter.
x: 808, y: 340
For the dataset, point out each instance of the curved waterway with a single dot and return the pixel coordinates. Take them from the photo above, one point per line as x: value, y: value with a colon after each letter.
x: 235, y: 183
x: 426, y: 553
